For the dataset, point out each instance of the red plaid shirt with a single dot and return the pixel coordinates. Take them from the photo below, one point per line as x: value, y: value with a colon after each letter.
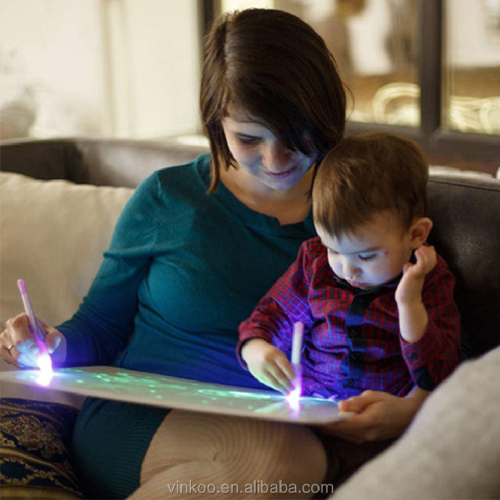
x: 351, y: 336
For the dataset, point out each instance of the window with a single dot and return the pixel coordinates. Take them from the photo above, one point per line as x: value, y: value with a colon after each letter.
x: 472, y: 65
x: 429, y: 69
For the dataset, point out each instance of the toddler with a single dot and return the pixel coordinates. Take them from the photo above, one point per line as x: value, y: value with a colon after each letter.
x: 376, y: 300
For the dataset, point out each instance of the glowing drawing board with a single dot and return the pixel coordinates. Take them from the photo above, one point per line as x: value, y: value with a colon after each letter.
x: 169, y: 392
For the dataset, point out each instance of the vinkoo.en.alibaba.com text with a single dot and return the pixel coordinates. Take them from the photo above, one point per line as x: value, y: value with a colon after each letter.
x: 256, y: 487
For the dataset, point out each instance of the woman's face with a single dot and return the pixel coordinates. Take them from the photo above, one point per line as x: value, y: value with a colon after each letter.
x: 258, y: 152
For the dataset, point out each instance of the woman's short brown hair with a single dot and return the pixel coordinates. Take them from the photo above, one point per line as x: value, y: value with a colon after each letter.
x: 366, y: 174
x: 275, y: 67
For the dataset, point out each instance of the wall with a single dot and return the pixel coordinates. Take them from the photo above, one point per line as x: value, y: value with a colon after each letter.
x: 127, y: 68
x: 158, y: 75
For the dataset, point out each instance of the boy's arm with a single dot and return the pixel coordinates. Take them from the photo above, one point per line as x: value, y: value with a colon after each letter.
x: 263, y: 338
x: 434, y: 352
x: 286, y: 303
x: 413, y: 317
x: 268, y: 331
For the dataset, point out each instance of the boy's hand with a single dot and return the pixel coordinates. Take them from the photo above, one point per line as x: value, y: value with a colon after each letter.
x: 268, y: 364
x: 409, y: 290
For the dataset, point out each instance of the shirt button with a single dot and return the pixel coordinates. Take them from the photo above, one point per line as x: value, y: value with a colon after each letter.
x: 349, y: 382
x: 353, y: 332
x: 355, y: 356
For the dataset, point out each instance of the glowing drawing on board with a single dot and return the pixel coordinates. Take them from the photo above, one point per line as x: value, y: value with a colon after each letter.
x: 169, y: 392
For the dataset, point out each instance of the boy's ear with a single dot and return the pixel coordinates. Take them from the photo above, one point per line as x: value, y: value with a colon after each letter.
x: 419, y: 231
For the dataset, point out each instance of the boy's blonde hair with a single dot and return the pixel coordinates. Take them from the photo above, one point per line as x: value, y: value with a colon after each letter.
x: 367, y: 174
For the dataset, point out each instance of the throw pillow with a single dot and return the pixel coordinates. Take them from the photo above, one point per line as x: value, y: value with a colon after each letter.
x: 34, y: 442
x: 53, y: 234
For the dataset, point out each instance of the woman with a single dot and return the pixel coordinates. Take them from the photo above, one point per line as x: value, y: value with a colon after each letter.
x: 194, y: 250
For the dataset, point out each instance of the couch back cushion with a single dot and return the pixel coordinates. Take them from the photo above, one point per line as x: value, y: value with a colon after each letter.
x: 104, y: 162
x: 466, y: 215
x: 53, y: 236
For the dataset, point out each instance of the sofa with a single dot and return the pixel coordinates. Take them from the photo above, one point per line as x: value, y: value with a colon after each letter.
x: 60, y: 199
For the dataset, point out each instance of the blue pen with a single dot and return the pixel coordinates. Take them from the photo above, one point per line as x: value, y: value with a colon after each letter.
x: 43, y: 360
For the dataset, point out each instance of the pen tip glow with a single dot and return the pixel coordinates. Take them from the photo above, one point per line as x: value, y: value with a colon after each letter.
x: 45, y: 364
x: 293, y: 398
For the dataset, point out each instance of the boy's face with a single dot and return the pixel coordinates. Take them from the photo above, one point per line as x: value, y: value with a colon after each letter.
x: 373, y: 255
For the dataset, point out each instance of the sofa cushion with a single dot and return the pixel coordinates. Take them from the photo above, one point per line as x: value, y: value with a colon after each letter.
x: 451, y: 449
x: 34, y: 443
x: 53, y: 236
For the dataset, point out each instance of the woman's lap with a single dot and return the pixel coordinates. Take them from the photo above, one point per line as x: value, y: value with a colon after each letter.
x: 109, y: 443
x: 193, y: 453
x: 118, y: 447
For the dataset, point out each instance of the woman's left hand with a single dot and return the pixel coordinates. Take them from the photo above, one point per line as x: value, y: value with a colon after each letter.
x: 378, y: 416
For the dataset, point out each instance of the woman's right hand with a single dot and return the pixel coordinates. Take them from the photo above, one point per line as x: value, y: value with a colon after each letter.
x: 18, y: 347
x: 379, y: 416
x: 268, y: 364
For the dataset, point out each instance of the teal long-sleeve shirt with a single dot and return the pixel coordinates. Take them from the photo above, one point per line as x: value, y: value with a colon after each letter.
x: 183, y: 270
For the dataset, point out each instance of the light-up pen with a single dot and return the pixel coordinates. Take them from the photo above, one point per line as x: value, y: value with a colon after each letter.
x: 43, y: 360
x: 298, y: 334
